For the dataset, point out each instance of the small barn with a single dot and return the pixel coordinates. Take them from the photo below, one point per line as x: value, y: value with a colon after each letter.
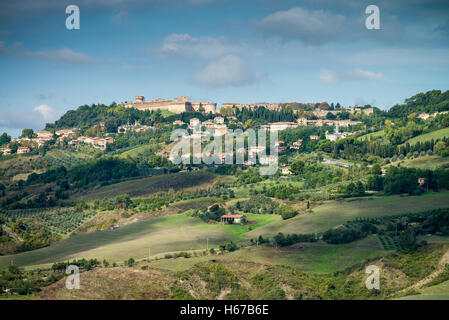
x: 233, y: 218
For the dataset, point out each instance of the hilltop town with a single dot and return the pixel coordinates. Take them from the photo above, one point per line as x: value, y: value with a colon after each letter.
x: 314, y: 115
x: 354, y: 185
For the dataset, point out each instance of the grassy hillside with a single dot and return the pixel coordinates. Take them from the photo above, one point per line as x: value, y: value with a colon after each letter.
x: 336, y: 213
x: 437, y: 292
x: 164, y: 234
x: 438, y: 134
x: 150, y: 185
x: 318, y: 257
x: 372, y: 135
x: 238, y: 279
x: 425, y: 162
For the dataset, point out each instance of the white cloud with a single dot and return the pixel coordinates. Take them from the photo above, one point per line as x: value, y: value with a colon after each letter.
x: 48, y: 113
x: 34, y: 119
x: 398, y: 56
x: 309, y: 26
x: 64, y: 55
x: 203, y: 47
x: 227, y: 71
x: 327, y: 76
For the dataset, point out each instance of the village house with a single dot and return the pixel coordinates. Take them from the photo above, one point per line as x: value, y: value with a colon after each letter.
x: 23, y: 150
x: 296, y: 145
x: 45, y: 135
x: 268, y: 159
x: 136, y: 127
x: 96, y: 142
x: 314, y: 137
x: 278, y: 126
x: 194, y: 122
x: 286, y: 171
x: 253, y: 150
x: 233, y: 218
x: 5, y: 151
x: 334, y: 136
x: 219, y: 120
x: 67, y: 133
x: 208, y: 124
x: 302, y: 121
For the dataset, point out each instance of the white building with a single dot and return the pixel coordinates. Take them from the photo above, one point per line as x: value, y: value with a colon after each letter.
x: 219, y: 120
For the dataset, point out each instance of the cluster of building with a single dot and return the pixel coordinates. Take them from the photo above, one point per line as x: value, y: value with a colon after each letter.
x: 337, y: 135
x: 320, y: 113
x: 278, y: 126
x: 319, y: 110
x: 216, y: 126
x: 41, y: 137
x: 8, y: 151
x: 136, y: 127
x: 321, y: 122
x: 99, y: 143
x: 425, y: 116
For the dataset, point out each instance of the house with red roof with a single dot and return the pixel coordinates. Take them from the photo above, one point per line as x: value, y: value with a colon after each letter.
x: 233, y: 218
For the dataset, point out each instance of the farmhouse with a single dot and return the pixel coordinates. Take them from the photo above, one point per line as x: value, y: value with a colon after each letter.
x: 233, y: 218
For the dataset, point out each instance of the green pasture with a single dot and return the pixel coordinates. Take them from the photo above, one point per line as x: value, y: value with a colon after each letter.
x: 135, y: 240
x: 437, y: 134
x: 335, y: 213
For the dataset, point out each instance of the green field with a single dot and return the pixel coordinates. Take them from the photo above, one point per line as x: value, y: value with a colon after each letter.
x: 372, y: 135
x: 334, y: 213
x: 150, y: 185
x: 426, y: 162
x: 164, y: 234
x: 437, y: 292
x: 437, y: 134
x: 243, y: 191
x: 136, y: 151
x: 317, y: 257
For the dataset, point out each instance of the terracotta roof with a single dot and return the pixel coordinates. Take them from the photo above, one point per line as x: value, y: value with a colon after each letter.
x: 232, y: 216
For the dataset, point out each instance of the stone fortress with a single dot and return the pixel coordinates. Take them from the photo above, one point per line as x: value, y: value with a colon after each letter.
x: 177, y: 105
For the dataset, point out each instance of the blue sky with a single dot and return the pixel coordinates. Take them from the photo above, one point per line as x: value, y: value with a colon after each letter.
x: 216, y: 50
